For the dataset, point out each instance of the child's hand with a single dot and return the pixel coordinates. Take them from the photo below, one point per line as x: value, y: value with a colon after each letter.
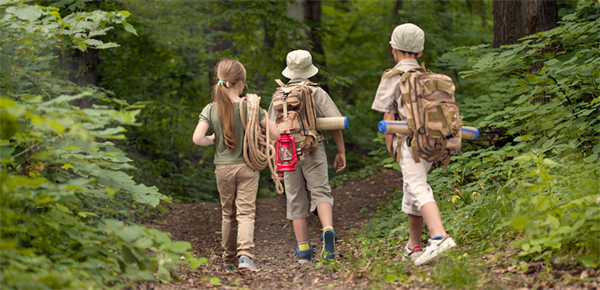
x: 280, y: 175
x: 340, y: 162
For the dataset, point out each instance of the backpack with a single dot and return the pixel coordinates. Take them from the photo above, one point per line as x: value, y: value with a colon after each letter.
x: 431, y: 114
x: 296, y: 113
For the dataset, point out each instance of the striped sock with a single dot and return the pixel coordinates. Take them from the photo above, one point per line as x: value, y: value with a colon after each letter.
x: 438, y: 237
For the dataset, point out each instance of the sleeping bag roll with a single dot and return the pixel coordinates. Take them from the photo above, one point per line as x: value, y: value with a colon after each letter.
x: 390, y: 127
x: 334, y: 123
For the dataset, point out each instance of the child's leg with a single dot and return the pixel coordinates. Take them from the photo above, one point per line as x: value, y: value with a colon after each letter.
x: 415, y: 228
x: 431, y: 214
x: 301, y: 230
x: 229, y: 225
x: 245, y: 202
x: 325, y: 211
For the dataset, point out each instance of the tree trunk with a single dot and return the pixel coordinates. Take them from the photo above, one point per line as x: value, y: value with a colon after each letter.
x: 395, y: 22
x: 509, y: 21
x: 515, y: 19
x: 313, y: 17
x: 541, y: 15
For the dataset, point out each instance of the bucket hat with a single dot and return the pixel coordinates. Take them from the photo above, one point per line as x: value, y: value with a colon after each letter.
x: 408, y: 37
x: 299, y: 65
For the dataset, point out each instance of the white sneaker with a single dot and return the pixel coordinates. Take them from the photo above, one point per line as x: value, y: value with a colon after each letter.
x: 412, y: 255
x: 434, y: 248
x: 246, y: 263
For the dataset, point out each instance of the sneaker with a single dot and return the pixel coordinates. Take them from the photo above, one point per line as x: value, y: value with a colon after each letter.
x: 329, y: 238
x: 304, y: 256
x: 230, y: 266
x: 434, y: 248
x: 246, y: 263
x: 412, y: 255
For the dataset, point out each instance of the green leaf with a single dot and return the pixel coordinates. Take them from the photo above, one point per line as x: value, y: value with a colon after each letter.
x: 519, y: 222
x: 25, y: 12
x: 180, y: 247
x: 591, y: 158
x: 66, y: 166
x: 549, y: 162
x: 143, y: 243
x: 5, y: 65
x: 163, y: 274
x: 129, y: 28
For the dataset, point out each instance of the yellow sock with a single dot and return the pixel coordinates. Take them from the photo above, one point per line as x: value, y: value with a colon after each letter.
x: 328, y: 228
x: 303, y: 246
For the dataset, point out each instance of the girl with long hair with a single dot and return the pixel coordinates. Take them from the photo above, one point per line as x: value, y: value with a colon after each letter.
x: 237, y: 183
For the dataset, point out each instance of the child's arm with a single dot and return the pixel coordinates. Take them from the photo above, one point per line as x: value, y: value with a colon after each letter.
x: 273, y: 131
x: 340, y: 158
x: 389, y: 138
x: 200, y: 137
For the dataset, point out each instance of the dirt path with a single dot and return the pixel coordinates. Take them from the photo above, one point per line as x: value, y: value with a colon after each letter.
x: 200, y: 224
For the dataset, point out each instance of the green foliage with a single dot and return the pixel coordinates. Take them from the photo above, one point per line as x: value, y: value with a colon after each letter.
x: 538, y: 182
x: 62, y: 179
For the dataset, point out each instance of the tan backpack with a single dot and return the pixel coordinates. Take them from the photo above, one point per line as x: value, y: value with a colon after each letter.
x: 296, y: 102
x: 432, y: 114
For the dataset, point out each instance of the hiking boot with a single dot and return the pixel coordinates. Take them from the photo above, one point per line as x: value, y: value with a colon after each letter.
x: 246, y: 263
x: 434, y: 248
x: 329, y: 238
x: 230, y: 266
x: 412, y: 255
x: 304, y: 256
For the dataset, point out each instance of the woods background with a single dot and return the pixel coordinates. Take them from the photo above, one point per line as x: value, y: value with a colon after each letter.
x: 99, y: 100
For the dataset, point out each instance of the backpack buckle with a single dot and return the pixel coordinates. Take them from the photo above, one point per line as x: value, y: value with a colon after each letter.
x: 421, y: 130
x: 449, y: 136
x: 299, y: 152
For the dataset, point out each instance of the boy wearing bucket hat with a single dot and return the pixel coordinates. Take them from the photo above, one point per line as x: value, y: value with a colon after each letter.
x: 407, y: 43
x: 307, y: 188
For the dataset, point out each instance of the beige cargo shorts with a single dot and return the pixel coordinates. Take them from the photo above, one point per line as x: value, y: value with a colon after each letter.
x: 417, y: 191
x: 308, y: 186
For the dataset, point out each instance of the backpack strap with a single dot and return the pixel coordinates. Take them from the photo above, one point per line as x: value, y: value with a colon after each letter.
x: 280, y: 83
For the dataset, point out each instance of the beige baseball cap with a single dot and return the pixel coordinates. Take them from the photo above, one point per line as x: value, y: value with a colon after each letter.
x: 299, y: 65
x: 408, y: 37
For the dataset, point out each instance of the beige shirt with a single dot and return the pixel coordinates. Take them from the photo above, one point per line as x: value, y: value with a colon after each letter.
x: 324, y: 105
x: 389, y: 89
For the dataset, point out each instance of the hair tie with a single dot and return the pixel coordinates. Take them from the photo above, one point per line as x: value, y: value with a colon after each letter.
x: 223, y: 82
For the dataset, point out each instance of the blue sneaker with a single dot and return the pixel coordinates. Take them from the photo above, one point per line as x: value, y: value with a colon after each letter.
x: 329, y: 238
x: 304, y: 256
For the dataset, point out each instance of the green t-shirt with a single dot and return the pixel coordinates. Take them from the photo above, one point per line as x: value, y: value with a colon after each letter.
x: 210, y: 115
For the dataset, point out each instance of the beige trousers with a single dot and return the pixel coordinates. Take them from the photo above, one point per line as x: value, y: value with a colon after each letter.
x: 237, y: 185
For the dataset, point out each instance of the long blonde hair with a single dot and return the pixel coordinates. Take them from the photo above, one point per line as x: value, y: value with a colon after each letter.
x: 228, y: 73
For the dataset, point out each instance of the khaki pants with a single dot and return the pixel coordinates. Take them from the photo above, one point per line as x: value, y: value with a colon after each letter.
x: 237, y: 185
x: 308, y: 186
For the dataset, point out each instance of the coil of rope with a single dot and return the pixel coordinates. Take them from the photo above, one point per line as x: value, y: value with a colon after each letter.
x: 258, y: 152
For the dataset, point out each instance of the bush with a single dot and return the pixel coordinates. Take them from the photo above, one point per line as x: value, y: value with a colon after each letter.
x: 62, y: 179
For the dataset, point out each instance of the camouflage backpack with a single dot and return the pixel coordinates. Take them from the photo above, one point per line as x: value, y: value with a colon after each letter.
x: 295, y: 111
x: 431, y: 114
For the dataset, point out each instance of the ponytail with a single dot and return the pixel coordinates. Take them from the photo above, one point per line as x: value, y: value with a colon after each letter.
x: 228, y: 72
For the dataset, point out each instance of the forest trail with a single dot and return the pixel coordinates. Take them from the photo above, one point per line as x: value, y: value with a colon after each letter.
x: 200, y: 224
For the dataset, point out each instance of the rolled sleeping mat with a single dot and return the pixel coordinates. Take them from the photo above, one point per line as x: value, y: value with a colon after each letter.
x: 334, y: 123
x: 467, y: 133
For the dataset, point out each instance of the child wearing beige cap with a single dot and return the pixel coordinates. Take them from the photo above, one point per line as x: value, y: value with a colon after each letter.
x: 407, y: 43
x: 307, y: 189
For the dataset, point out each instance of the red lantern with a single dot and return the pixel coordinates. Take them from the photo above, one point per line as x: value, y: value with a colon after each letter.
x: 285, y: 153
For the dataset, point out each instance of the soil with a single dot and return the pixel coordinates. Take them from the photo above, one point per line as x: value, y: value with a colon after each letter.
x: 354, y: 201
x: 275, y: 256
